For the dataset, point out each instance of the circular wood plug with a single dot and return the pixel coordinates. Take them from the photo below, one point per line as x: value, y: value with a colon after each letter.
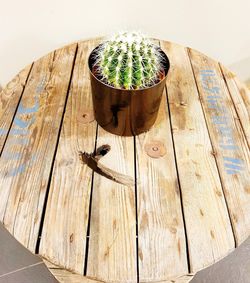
x: 155, y: 149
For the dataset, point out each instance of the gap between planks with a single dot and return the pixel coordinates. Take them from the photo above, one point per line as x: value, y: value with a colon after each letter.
x: 228, y: 140
x: 90, y: 208
x: 194, y: 160
x: 245, y: 129
x: 54, y: 156
x: 16, y: 107
x: 178, y: 179
x: 216, y: 162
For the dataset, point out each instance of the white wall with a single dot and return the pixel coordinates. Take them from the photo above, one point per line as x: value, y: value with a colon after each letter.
x: 31, y: 28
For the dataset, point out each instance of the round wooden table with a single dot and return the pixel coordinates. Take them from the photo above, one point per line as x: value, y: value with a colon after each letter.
x: 190, y: 203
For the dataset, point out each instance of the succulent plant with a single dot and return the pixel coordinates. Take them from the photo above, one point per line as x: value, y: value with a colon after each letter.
x: 129, y: 61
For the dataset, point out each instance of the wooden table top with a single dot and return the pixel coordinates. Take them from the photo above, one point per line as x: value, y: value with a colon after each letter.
x: 189, y: 204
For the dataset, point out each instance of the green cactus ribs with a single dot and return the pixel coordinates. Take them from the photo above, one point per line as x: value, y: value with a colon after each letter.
x: 129, y: 61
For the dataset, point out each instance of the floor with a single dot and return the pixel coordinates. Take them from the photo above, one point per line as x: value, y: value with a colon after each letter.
x: 235, y: 268
x: 18, y: 265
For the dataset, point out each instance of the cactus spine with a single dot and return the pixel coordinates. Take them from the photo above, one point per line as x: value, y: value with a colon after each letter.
x: 129, y: 61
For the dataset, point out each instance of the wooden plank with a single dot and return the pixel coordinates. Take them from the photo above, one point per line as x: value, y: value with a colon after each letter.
x: 161, y: 236
x: 182, y: 279
x: 240, y: 95
x: 112, y: 243
x: 228, y: 140
x: 64, y: 242
x: 65, y: 276
x: 28, y: 155
x: 9, y: 99
x: 244, y: 92
x: 208, y: 228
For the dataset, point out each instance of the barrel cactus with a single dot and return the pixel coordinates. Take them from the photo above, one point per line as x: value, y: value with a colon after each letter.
x: 129, y: 61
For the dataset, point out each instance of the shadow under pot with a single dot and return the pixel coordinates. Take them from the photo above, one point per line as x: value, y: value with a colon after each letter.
x: 126, y: 112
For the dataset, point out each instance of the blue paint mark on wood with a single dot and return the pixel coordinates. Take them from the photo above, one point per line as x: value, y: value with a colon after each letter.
x: 215, y: 97
x: 220, y: 118
x: 231, y: 172
x: 228, y: 147
x: 207, y: 72
x: 41, y: 86
x: 214, y: 89
x: 12, y: 155
x: 233, y: 166
x: 22, y: 167
x: 233, y: 160
x: 19, y: 132
x: 23, y: 124
x: 212, y: 104
x: 16, y: 171
x: 20, y: 141
x: 3, y: 132
x: 225, y: 131
x: 20, y: 128
x: 28, y: 110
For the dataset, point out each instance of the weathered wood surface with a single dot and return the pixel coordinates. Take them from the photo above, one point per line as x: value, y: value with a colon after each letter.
x: 9, y: 99
x: 161, y: 235
x: 27, y: 157
x: 204, y: 207
x: 183, y: 210
x: 112, y: 238
x: 64, y: 242
x: 241, y: 98
x: 162, y: 244
x: 228, y: 140
x: 65, y: 276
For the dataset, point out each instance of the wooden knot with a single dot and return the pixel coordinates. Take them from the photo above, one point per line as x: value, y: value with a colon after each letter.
x: 86, y: 117
x: 155, y: 149
x: 183, y: 103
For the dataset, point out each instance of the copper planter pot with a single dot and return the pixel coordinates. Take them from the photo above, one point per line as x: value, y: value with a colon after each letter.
x: 125, y: 112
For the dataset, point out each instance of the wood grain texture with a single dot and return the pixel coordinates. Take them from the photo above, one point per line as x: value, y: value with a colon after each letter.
x: 208, y: 228
x: 65, y: 276
x: 183, y: 198
x: 228, y: 140
x: 64, y: 242
x: 9, y: 99
x: 240, y: 95
x: 161, y: 236
x: 112, y: 243
x: 27, y: 157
